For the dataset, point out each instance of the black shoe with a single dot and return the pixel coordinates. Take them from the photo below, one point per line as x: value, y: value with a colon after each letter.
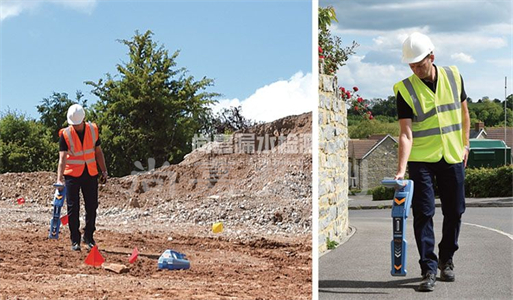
x: 89, y: 242
x: 75, y: 247
x: 428, y: 283
x: 447, y: 271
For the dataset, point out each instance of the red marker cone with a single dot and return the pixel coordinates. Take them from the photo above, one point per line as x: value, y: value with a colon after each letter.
x: 21, y: 200
x: 133, y: 258
x: 94, y: 258
x: 64, y: 220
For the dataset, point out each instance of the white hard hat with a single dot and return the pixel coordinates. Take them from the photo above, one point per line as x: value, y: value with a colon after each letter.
x: 416, y: 47
x: 76, y: 114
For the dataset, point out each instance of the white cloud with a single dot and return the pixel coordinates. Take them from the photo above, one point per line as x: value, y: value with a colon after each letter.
x: 13, y: 8
x: 277, y: 100
x: 463, y: 57
x: 372, y: 80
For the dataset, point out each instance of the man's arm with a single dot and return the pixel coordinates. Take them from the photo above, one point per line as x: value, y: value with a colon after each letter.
x: 61, y: 167
x: 465, y: 117
x: 405, y: 145
x: 100, y: 159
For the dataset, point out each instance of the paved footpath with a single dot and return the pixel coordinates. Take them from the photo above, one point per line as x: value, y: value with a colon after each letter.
x: 360, y: 268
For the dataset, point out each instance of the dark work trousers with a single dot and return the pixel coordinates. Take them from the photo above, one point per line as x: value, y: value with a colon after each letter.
x: 89, y: 186
x: 450, y: 179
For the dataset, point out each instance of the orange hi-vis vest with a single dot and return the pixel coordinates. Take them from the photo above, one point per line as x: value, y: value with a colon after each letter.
x: 80, y: 154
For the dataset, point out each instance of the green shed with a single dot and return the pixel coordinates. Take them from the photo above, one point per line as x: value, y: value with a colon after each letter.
x: 488, y: 153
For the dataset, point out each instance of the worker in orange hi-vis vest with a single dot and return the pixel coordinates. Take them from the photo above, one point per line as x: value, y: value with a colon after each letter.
x: 79, y: 152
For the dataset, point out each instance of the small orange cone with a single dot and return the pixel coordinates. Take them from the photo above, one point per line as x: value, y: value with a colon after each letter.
x: 64, y: 220
x: 94, y: 258
x: 133, y: 258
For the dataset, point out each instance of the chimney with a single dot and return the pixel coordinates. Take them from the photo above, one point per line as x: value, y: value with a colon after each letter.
x: 478, y: 126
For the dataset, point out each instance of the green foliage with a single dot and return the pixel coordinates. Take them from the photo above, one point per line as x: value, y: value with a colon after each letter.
x: 331, y: 244
x: 54, y: 109
x: 385, y: 107
x: 365, y: 128
x: 25, y: 145
x: 354, y: 191
x: 331, y: 53
x: 153, y: 110
x: 489, y: 182
x: 357, y: 105
x: 382, y: 193
x: 491, y: 112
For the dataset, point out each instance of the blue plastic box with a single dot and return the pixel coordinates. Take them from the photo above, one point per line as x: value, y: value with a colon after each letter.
x: 173, y: 260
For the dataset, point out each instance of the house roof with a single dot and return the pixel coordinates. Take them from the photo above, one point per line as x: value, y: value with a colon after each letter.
x: 498, y: 134
x: 359, y: 149
x: 474, y: 134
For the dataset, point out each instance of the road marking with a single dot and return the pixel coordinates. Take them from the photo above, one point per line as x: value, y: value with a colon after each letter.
x: 496, y: 230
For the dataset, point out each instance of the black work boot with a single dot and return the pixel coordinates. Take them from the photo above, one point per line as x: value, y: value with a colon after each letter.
x: 89, y: 242
x: 447, y: 270
x: 75, y: 247
x: 428, y: 283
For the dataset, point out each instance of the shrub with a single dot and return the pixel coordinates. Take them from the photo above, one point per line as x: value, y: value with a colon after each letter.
x: 331, y: 244
x: 382, y: 193
x: 489, y: 182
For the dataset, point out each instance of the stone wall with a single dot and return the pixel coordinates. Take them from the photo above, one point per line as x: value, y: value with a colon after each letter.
x: 333, y: 164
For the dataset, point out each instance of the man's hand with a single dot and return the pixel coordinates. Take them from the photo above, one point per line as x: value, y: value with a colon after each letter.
x: 399, y: 176
x: 103, y: 177
x: 59, y: 182
x: 466, y: 152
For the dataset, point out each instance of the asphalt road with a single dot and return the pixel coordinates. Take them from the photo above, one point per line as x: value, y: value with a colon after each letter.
x: 360, y: 268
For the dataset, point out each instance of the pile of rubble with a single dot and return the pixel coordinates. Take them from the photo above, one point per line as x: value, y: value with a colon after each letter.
x: 266, y: 189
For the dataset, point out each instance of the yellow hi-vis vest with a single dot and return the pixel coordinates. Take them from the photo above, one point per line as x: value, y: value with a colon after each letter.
x: 436, y: 124
x: 79, y: 155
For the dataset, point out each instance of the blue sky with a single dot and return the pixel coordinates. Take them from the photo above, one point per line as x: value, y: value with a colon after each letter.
x: 258, y: 52
x: 475, y: 35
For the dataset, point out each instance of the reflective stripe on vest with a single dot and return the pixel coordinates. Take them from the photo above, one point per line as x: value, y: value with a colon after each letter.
x: 77, y: 160
x: 437, y: 120
x: 421, y: 116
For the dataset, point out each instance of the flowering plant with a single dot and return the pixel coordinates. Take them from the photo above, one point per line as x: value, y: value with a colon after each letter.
x: 357, y: 105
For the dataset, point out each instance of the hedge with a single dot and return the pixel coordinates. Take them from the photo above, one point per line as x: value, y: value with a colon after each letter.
x: 479, y: 183
x: 489, y: 182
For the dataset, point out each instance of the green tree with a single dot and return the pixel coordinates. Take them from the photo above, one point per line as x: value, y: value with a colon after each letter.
x: 487, y: 111
x: 365, y: 128
x: 153, y: 110
x: 384, y: 107
x: 54, y: 109
x: 331, y: 53
x: 25, y: 145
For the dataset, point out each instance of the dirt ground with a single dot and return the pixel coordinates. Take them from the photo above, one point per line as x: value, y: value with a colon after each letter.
x: 264, y: 201
x: 33, y: 267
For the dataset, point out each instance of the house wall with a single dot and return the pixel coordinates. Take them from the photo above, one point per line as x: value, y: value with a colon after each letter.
x: 333, y: 164
x: 380, y: 163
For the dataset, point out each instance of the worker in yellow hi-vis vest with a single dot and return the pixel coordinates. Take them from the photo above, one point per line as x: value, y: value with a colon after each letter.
x: 434, y: 144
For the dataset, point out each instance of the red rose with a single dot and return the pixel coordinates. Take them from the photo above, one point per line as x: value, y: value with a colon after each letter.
x: 348, y: 94
x: 360, y: 99
x: 343, y: 90
x: 320, y: 49
x: 321, y: 57
x: 356, y: 108
x: 371, y: 117
x: 355, y: 89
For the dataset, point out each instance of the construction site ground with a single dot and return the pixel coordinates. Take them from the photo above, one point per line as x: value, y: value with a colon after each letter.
x: 264, y: 252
